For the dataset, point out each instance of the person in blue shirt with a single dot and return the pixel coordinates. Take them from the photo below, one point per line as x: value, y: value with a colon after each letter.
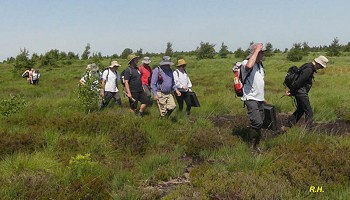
x: 163, y: 85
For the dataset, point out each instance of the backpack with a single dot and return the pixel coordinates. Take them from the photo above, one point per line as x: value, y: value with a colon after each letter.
x: 122, y: 76
x: 292, y: 75
x: 35, y: 75
x: 238, y: 80
x: 25, y: 75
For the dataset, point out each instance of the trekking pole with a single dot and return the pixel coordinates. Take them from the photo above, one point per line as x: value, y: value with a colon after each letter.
x: 132, y: 99
x: 158, y: 104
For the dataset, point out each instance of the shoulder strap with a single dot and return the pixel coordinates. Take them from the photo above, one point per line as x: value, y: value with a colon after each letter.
x: 178, y: 74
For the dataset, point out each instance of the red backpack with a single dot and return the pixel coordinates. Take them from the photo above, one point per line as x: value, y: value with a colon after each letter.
x: 237, y: 79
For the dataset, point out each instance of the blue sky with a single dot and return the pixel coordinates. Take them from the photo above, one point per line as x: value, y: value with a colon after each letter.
x: 111, y: 26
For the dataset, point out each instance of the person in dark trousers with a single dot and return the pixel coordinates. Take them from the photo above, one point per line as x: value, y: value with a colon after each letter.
x: 109, y: 86
x: 301, y: 92
x: 184, y: 85
x: 253, y: 93
x: 146, y: 72
x: 133, y: 86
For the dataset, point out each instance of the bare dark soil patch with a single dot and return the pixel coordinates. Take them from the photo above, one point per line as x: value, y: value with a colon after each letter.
x: 339, y: 127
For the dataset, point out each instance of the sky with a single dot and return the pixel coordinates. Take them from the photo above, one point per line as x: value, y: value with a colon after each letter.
x: 110, y: 26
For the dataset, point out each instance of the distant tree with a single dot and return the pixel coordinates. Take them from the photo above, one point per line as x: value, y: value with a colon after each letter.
x: 86, y: 53
x: 223, y: 51
x: 334, y: 48
x: 295, y: 53
x: 169, y: 49
x: 63, y: 55
x: 22, y: 61
x: 114, y: 56
x: 35, y: 58
x: 50, y: 58
x: 277, y: 51
x: 347, y: 47
x: 205, y: 50
x: 286, y: 50
x: 239, y: 53
x: 139, y: 52
x: 125, y: 53
x: 72, y: 56
x: 305, y: 48
x: 269, y: 50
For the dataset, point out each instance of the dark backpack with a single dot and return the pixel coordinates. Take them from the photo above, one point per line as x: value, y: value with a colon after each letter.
x: 122, y: 76
x: 292, y: 75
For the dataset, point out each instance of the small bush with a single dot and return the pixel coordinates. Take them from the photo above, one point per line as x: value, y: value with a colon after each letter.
x: 11, y: 105
x: 82, y: 165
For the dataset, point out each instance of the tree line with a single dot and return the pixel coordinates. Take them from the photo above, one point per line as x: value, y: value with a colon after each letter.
x: 205, y: 50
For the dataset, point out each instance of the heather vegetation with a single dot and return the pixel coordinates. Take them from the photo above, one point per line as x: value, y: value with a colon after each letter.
x: 52, y: 148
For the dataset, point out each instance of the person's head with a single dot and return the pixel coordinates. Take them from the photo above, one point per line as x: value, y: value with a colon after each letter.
x: 181, y: 63
x: 320, y: 62
x: 166, y: 61
x: 132, y: 59
x: 146, y: 60
x: 114, y: 65
x: 252, y: 49
x: 93, y: 68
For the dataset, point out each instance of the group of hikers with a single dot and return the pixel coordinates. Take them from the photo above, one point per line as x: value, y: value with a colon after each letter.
x: 32, y: 76
x: 141, y: 83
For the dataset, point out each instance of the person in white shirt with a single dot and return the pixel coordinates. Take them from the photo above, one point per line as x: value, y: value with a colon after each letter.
x: 253, y: 92
x: 109, y: 90
x: 184, y: 85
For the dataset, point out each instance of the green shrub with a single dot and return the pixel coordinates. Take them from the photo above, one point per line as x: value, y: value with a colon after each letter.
x: 89, y: 95
x: 82, y: 165
x: 11, y: 105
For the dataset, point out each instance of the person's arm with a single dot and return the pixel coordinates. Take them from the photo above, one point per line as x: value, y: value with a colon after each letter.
x: 189, y: 83
x: 103, y: 84
x: 127, y: 85
x: 154, y: 79
x: 252, y: 59
x: 177, y: 79
x: 178, y: 93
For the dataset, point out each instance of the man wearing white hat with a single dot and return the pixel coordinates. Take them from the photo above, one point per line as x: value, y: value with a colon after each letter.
x: 301, y: 92
x: 109, y: 90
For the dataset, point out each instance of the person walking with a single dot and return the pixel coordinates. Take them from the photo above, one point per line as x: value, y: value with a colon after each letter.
x: 253, y: 92
x: 184, y: 85
x: 146, y: 72
x: 301, y: 90
x: 133, y: 86
x: 162, y: 85
x: 109, y: 89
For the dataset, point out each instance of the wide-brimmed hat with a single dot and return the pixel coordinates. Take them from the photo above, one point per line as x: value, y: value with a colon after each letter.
x: 181, y: 62
x: 93, y: 67
x: 166, y: 61
x: 146, y: 60
x: 322, y: 61
x: 114, y: 63
x: 131, y: 57
x: 252, y: 48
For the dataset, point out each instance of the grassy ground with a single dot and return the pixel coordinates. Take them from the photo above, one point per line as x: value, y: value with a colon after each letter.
x: 52, y: 149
